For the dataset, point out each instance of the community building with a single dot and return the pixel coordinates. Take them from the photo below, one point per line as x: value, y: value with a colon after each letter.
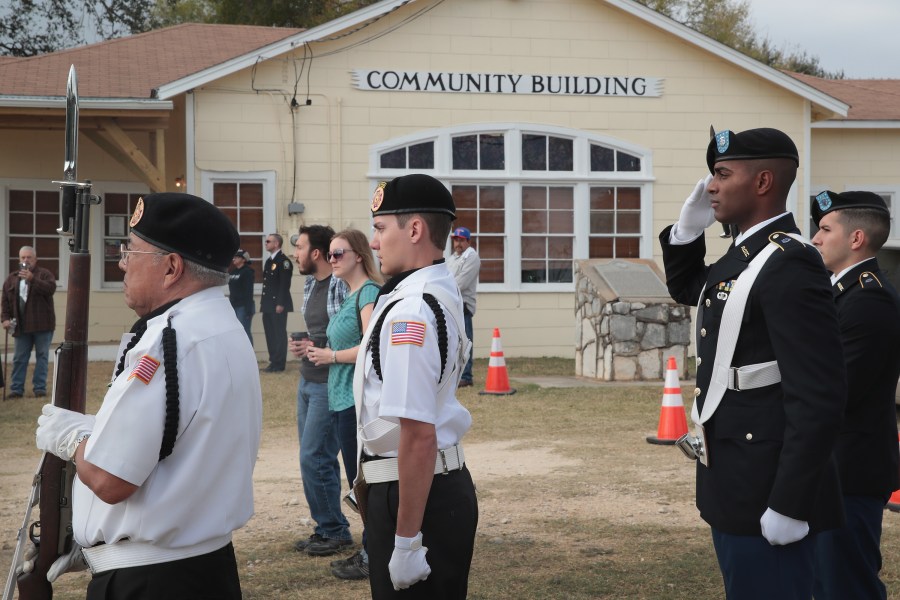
x: 565, y: 129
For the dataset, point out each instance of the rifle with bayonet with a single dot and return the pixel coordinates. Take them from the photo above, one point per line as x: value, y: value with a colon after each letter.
x: 52, y: 533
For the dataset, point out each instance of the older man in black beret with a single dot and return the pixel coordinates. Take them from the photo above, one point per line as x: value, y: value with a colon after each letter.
x: 416, y: 494
x: 771, y: 383
x: 165, y: 467
x: 853, y: 226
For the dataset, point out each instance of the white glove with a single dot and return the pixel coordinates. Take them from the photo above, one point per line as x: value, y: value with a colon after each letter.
x: 780, y: 530
x: 408, y: 564
x: 58, y: 429
x: 696, y: 215
x: 67, y: 563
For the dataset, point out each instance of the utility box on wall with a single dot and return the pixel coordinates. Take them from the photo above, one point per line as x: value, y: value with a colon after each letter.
x: 626, y: 324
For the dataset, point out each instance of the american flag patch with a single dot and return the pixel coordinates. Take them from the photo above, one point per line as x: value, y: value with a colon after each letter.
x: 145, y: 369
x: 407, y: 332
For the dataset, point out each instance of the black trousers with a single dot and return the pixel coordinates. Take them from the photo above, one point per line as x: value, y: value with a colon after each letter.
x: 448, y: 531
x: 212, y: 576
x: 275, y: 326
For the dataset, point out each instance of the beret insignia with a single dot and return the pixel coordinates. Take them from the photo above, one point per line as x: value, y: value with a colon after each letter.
x: 378, y: 197
x: 824, y: 201
x: 138, y: 213
x: 722, y: 141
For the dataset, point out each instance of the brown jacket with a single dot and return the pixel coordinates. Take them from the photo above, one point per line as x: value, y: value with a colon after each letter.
x: 39, y: 313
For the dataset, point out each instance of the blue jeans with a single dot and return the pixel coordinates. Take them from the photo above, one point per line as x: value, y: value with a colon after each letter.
x: 245, y: 316
x: 24, y: 343
x: 467, y: 372
x: 319, y: 468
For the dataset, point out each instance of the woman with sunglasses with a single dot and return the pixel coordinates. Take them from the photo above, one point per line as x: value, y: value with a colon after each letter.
x: 352, y: 261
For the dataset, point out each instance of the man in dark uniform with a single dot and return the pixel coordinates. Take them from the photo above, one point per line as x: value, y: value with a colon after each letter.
x: 767, y: 481
x: 276, y: 302
x: 852, y: 228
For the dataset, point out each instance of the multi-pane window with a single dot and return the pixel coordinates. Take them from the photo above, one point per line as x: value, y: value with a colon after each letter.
x: 243, y: 203
x: 117, y: 211
x: 615, y: 222
x: 483, y: 151
x: 482, y: 209
x: 415, y: 156
x: 547, y: 234
x: 33, y: 220
x: 536, y: 199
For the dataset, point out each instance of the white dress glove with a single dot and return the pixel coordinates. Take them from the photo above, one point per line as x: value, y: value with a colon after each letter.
x: 58, y: 429
x: 780, y: 530
x: 408, y: 564
x: 67, y: 563
x: 696, y: 215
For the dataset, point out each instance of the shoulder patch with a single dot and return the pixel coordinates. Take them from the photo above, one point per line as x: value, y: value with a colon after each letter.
x: 868, y: 279
x: 145, y: 369
x: 286, y: 264
x: 407, y: 332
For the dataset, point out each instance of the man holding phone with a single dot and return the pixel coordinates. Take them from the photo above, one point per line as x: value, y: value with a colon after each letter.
x: 27, y: 312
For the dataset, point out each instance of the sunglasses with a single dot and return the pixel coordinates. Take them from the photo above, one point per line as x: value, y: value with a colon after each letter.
x: 338, y: 253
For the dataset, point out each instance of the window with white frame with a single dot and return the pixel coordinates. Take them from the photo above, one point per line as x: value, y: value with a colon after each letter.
x: 535, y: 198
x: 33, y: 216
x: 248, y: 199
x: 117, y: 210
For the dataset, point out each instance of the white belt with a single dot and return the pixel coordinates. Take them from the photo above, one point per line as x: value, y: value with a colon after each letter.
x: 748, y: 377
x: 126, y: 553
x: 385, y: 469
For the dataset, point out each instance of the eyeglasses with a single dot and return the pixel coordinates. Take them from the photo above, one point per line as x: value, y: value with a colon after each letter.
x: 124, y: 252
x: 338, y: 253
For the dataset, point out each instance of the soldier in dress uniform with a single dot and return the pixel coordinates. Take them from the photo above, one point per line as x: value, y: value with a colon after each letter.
x: 165, y: 468
x: 275, y: 302
x: 853, y: 226
x: 420, y: 507
x: 770, y: 393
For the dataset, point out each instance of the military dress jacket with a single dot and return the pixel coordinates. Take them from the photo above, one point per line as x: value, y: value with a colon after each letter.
x: 771, y: 446
x: 276, y: 290
x: 868, y: 310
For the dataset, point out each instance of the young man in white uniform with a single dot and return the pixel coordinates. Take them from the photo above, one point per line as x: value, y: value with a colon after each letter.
x: 420, y: 507
x: 165, y: 468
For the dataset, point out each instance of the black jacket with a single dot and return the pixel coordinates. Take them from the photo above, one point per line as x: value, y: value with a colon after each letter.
x: 770, y: 446
x: 276, y: 290
x: 869, y: 315
x: 240, y: 288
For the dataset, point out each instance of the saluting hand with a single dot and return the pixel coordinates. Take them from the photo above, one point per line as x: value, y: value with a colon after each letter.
x: 697, y: 213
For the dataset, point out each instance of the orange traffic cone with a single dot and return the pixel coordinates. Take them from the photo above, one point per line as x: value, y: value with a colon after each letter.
x: 672, y: 418
x: 893, y: 502
x: 497, y: 380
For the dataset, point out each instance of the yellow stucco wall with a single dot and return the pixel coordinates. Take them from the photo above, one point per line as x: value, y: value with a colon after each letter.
x: 243, y: 123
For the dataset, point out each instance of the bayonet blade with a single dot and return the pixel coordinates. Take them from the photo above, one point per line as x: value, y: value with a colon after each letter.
x: 70, y: 172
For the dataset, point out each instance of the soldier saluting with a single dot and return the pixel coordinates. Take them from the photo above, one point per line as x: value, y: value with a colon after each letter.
x: 771, y: 381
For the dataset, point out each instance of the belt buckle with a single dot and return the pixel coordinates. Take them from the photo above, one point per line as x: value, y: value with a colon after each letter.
x: 443, y: 462
x: 735, y: 379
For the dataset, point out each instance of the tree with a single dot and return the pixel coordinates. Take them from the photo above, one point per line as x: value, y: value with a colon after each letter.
x: 728, y: 22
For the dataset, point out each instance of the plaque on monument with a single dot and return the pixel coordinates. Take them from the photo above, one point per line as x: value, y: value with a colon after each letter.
x: 633, y: 280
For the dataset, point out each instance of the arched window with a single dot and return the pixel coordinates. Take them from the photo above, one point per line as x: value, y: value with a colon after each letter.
x: 535, y: 198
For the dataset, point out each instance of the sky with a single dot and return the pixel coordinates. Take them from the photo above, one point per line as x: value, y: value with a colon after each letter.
x: 859, y: 36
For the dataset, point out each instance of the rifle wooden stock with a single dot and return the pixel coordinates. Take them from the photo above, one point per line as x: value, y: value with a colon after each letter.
x: 53, y: 533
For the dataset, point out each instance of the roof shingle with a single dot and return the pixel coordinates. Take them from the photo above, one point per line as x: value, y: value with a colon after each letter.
x: 133, y: 66
x: 869, y: 99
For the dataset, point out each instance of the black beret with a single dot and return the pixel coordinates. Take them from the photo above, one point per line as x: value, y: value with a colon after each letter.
x: 188, y: 226
x: 829, y: 201
x: 752, y: 144
x: 412, y: 194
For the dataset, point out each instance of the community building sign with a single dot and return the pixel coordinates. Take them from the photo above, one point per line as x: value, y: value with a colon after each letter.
x: 507, y: 83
